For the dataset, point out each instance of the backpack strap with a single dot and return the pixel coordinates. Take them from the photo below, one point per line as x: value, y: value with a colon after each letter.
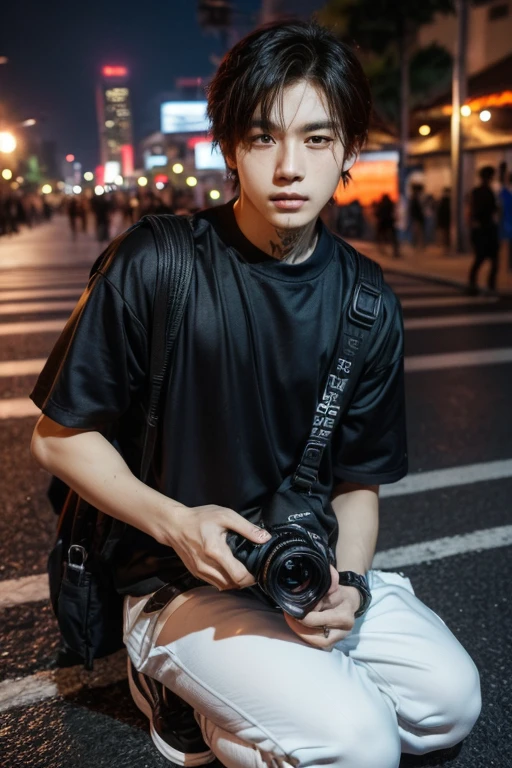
x: 175, y: 251
x: 354, y: 341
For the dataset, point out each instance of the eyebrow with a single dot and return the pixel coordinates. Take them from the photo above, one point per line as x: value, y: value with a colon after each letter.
x: 321, y: 125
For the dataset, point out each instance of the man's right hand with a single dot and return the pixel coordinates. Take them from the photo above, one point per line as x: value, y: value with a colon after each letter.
x: 198, y: 536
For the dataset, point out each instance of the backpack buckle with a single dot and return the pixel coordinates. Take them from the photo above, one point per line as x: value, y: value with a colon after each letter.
x: 365, y: 306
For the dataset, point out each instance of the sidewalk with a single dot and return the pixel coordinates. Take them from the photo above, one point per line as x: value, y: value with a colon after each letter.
x: 432, y: 264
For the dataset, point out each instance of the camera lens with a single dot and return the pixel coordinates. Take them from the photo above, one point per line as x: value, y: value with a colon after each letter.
x: 295, y: 574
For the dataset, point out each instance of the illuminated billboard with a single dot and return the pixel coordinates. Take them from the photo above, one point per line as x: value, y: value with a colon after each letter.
x: 206, y: 158
x: 183, y: 117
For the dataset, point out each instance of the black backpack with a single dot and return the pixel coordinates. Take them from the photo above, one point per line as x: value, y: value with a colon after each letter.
x: 84, y: 599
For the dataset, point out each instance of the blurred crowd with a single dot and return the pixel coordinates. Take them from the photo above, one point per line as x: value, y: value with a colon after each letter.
x: 19, y: 209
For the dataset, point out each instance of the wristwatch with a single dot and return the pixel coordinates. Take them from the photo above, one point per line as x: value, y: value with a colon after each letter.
x: 351, y: 579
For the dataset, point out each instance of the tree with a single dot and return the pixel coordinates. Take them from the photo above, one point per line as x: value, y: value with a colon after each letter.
x: 386, y: 32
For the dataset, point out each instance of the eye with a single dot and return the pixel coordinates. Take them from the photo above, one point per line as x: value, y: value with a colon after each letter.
x: 262, y: 138
x: 318, y: 141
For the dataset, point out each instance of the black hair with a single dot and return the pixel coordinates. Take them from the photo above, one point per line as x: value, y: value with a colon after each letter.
x: 259, y: 67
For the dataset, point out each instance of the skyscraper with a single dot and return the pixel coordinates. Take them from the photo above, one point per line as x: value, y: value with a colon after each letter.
x: 115, y: 123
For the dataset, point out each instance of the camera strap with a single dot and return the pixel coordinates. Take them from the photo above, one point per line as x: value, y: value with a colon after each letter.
x: 354, y: 340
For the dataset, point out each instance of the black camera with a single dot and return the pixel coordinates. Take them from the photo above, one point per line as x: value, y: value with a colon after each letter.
x: 292, y: 567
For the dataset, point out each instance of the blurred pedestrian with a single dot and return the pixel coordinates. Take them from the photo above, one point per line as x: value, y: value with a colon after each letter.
x: 444, y: 218
x: 101, y: 206
x: 505, y: 200
x: 483, y: 214
x: 385, y: 224
x: 74, y: 214
x: 429, y: 212
x: 417, y: 216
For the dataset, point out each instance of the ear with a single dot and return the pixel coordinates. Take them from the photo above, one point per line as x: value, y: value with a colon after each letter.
x: 349, y: 162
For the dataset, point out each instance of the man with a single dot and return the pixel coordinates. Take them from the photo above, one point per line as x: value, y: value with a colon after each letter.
x: 483, y: 215
x: 289, y: 107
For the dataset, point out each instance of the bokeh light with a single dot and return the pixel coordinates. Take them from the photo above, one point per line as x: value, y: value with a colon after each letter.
x: 177, y: 168
x: 191, y: 181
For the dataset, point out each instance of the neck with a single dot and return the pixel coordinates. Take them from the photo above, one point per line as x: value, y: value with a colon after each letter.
x: 292, y: 245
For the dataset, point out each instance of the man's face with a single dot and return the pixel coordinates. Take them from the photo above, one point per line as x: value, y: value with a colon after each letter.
x: 290, y: 169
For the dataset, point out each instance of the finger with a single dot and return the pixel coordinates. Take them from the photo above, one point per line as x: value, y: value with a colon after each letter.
x: 235, y: 522
x: 336, y: 617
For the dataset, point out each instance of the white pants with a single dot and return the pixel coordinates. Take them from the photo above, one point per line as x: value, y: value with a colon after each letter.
x: 400, y: 681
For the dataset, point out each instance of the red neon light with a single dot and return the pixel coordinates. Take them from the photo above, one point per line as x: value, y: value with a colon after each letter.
x: 127, y: 163
x: 115, y: 71
x: 70, y: 158
x: 198, y: 140
x: 161, y: 177
x: 99, y: 174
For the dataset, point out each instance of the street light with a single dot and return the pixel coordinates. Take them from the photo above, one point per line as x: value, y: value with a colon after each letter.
x: 46, y: 189
x: 177, y: 168
x: 98, y: 190
x: 424, y: 130
x: 88, y: 176
x: 142, y: 181
x: 191, y: 181
x: 215, y: 194
x: 465, y: 110
x: 77, y: 189
x: 8, y: 142
x: 7, y: 174
x: 485, y: 116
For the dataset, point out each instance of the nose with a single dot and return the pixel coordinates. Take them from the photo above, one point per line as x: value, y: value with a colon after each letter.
x: 289, y: 165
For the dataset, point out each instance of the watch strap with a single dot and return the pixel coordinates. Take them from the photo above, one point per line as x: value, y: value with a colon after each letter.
x: 360, y: 582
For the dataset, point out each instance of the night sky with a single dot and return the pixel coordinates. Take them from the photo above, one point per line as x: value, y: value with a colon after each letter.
x: 56, y: 50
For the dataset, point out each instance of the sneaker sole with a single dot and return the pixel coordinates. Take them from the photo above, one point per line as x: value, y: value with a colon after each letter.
x: 180, y: 758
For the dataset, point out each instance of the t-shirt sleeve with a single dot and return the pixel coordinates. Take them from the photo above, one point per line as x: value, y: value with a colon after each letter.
x: 371, y: 444
x: 99, y: 362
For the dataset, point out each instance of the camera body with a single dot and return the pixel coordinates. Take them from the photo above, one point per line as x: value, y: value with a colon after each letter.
x: 293, y: 567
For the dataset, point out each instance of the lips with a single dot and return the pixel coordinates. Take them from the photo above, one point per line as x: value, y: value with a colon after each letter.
x: 285, y: 196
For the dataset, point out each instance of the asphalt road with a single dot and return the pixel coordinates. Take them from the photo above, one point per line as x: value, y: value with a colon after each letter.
x: 448, y: 527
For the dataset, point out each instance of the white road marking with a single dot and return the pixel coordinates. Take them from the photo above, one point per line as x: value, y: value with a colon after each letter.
x: 16, y: 308
x: 457, y: 359
x: 21, y: 367
x: 448, y: 478
x: 455, y: 321
x: 437, y: 549
x: 23, y: 691
x: 447, y: 301
x: 17, y: 408
x: 32, y: 326
x: 28, y: 589
x: 37, y: 293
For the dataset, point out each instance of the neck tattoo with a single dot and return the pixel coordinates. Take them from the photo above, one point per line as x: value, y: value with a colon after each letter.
x: 292, y: 244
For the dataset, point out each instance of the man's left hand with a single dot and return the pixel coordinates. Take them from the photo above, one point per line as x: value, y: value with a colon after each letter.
x: 335, y: 610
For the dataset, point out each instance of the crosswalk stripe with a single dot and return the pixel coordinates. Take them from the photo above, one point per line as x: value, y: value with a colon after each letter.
x: 447, y: 301
x: 457, y: 359
x: 413, y: 364
x: 17, y: 408
x: 34, y: 326
x: 448, y: 478
x: 437, y: 549
x: 36, y: 293
x: 21, y: 367
x: 455, y: 321
x: 18, y: 308
x: 48, y: 684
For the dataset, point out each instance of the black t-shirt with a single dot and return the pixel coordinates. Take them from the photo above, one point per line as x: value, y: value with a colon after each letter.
x: 251, y: 359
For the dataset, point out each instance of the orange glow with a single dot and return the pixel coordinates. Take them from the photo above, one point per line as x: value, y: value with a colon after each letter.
x: 370, y: 180
x: 115, y: 71
x: 502, y: 99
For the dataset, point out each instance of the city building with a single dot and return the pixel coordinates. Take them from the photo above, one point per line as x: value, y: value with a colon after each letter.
x: 115, y: 124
